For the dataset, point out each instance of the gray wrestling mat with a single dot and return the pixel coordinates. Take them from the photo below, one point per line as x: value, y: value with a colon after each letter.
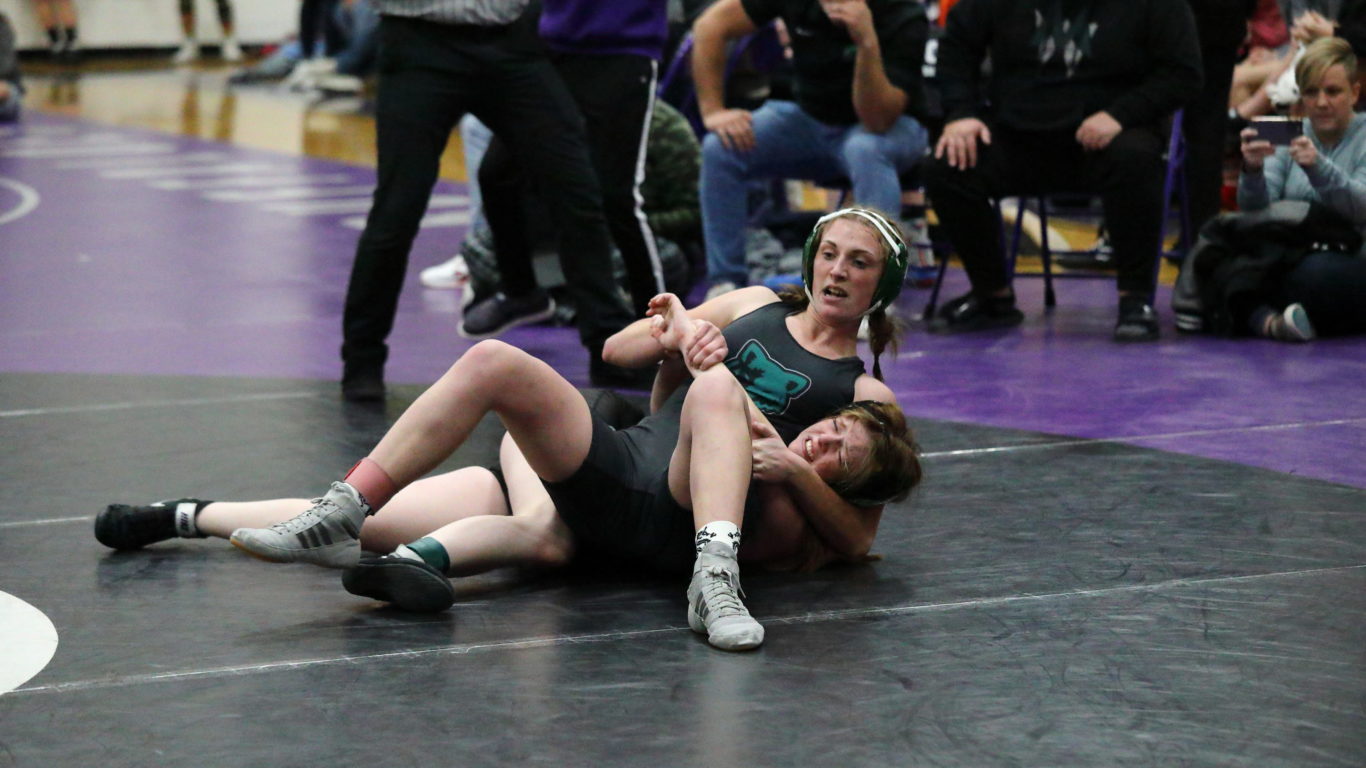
x: 1042, y: 601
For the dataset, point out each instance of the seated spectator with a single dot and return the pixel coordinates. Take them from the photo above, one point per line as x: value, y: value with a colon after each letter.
x: 858, y: 87
x: 11, y: 89
x: 1075, y: 103
x: 1325, y: 293
x: 1265, y: 82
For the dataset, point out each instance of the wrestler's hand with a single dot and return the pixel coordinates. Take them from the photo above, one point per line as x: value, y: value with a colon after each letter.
x: 774, y: 462
x: 670, y: 324
x: 704, y: 347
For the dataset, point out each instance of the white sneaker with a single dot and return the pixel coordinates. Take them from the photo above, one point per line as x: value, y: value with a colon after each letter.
x: 189, y: 51
x: 1293, y: 325
x: 305, y: 75
x: 452, y: 273
x: 714, y: 607
x: 720, y: 289
x: 231, y: 50
x: 335, y: 83
x: 327, y: 534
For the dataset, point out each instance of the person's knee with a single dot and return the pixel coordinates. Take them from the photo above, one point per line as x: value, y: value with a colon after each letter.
x: 491, y: 361
x: 716, y: 156
x: 1134, y: 153
x: 865, y: 151
x: 714, y: 390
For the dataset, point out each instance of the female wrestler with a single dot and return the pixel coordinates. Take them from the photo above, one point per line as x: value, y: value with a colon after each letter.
x: 573, y: 482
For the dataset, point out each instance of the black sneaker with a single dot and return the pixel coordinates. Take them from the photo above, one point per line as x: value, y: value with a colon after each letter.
x: 408, y: 584
x: 362, y: 385
x: 972, y: 313
x: 125, y: 527
x: 501, y: 312
x: 1137, y: 320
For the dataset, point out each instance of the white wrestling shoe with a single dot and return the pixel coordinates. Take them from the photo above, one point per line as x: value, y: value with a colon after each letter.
x: 326, y: 534
x: 714, y: 607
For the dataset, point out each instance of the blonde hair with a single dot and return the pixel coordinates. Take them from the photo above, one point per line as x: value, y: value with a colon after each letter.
x: 1320, y: 56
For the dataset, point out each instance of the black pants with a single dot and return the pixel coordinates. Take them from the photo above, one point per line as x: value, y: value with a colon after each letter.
x: 430, y: 76
x: 1332, y: 288
x: 1221, y: 25
x: 615, y: 95
x: 1127, y: 174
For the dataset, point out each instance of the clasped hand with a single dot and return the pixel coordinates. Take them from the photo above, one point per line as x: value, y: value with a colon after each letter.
x: 698, y: 342
x: 774, y: 462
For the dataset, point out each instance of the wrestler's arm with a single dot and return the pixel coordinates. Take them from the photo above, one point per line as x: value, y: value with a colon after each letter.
x: 635, y: 346
x: 847, y: 529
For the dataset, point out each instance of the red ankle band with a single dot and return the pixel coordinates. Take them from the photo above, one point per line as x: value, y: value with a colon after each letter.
x: 372, y: 482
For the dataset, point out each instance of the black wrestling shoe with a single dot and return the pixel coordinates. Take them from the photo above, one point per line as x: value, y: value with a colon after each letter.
x: 124, y: 527
x: 362, y: 384
x: 406, y: 583
x: 970, y: 312
x: 1137, y: 320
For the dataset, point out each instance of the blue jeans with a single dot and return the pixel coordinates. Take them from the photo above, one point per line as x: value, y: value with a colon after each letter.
x: 791, y: 144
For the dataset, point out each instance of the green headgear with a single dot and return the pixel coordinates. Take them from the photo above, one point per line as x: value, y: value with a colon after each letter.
x: 893, y: 271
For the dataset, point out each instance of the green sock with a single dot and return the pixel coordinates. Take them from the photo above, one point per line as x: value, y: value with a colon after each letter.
x: 431, y: 551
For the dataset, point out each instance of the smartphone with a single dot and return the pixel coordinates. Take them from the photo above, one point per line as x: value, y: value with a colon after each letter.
x: 1277, y: 130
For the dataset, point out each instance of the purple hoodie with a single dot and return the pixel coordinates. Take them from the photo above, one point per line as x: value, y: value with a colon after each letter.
x: 606, y: 27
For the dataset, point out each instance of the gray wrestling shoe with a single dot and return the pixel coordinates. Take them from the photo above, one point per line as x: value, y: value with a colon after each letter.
x: 327, y: 534
x: 714, y: 606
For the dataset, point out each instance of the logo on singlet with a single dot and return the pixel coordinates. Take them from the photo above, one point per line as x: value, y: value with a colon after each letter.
x: 770, y: 384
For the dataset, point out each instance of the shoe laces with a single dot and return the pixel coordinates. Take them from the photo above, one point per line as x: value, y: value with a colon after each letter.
x: 308, y: 518
x: 721, y: 592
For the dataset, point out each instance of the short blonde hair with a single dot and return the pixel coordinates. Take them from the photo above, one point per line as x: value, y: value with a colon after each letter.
x: 1320, y: 56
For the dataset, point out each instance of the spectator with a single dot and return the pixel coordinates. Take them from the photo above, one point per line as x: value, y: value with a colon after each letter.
x: 58, y: 18
x: 1219, y: 26
x: 669, y: 190
x: 607, y: 56
x: 858, y: 84
x: 1324, y: 294
x: 1076, y: 96
x: 11, y: 87
x: 440, y: 60
x: 189, y: 48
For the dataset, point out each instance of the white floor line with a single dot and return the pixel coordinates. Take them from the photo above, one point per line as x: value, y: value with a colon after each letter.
x: 48, y: 521
x: 1139, y: 438
x: 560, y: 640
x: 156, y: 404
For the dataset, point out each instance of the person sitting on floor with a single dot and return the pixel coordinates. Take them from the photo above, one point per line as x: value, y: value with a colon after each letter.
x: 1325, y: 293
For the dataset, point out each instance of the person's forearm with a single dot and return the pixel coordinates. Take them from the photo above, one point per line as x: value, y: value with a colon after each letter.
x: 1344, y: 194
x: 1252, y: 194
x: 845, y: 528
x: 633, y: 346
x: 877, y: 102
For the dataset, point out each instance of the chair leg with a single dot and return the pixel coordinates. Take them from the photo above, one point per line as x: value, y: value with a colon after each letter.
x: 928, y: 313
x: 1050, y: 299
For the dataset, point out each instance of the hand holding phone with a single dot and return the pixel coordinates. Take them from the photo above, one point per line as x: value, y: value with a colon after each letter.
x: 1280, y: 131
